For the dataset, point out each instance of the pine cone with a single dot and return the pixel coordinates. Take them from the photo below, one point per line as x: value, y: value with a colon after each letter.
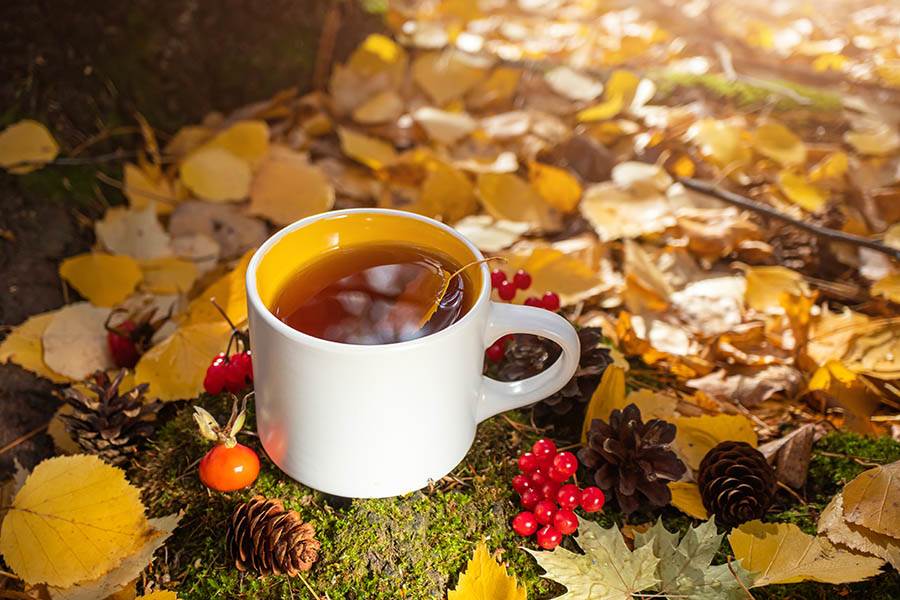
x: 576, y: 393
x: 526, y: 355
x: 264, y: 537
x: 108, y: 423
x: 736, y: 482
x: 631, y: 459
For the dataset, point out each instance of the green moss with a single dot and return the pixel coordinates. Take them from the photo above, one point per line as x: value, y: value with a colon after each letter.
x: 746, y: 94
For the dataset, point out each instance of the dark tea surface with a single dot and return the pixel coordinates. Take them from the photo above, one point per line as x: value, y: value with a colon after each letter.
x: 375, y: 294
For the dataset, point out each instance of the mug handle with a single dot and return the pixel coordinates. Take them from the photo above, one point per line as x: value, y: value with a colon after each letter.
x: 499, y: 396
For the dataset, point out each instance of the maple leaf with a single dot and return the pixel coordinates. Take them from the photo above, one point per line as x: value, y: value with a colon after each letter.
x: 607, y: 570
x: 486, y: 579
x: 684, y: 568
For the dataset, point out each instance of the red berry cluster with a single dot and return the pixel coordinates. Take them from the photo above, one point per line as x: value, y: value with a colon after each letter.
x: 122, y: 347
x: 233, y: 373
x: 548, y: 501
x: 507, y: 289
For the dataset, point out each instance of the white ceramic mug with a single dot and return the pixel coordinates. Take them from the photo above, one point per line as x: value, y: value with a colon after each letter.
x: 382, y: 420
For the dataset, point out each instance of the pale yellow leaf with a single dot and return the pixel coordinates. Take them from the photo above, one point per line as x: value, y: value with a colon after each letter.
x: 697, y: 435
x: 833, y: 166
x: 247, y: 140
x: 572, y: 84
x: 508, y: 197
x: 641, y: 178
x: 653, y: 405
x: 774, y: 140
x: 558, y: 187
x: 489, y: 234
x: 686, y: 498
x: 447, y: 75
x: 876, y: 350
x: 615, y: 213
x: 26, y: 142
x: 215, y: 174
x: 74, y: 341
x: 378, y: 53
x: 143, y: 188
x: 767, y: 285
x: 495, y: 90
x: 134, y: 232
x: 102, y: 279
x: 187, y: 139
x: 871, y: 500
x: 288, y: 188
x: 175, y: 367
x: 880, y: 139
x: 620, y: 90
x: 448, y: 193
x: 782, y: 553
x: 485, y: 579
x: 57, y: 431
x: 444, y: 127
x: 799, y: 191
x: 168, y: 275
x: 229, y: 291
x: 609, y: 395
x: 553, y: 270
x: 24, y: 347
x: 75, y: 519
x: 384, y: 107
x: 889, y: 287
x: 720, y: 141
x: 372, y: 152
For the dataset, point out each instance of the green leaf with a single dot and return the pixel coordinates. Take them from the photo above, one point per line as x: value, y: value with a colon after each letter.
x: 684, y: 569
x: 607, y: 570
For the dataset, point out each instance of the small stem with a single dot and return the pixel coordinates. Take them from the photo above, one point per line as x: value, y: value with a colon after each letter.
x: 22, y: 438
x: 738, y: 579
x: 223, y: 313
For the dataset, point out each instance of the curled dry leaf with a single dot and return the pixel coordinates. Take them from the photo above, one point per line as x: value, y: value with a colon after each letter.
x: 782, y: 553
x: 752, y: 387
x: 174, y: 368
x: 870, y: 500
x: 288, y: 188
x: 790, y: 455
x: 26, y: 146
x: 74, y: 341
x: 876, y: 351
x: 233, y: 232
x: 75, y: 519
x: 133, y: 232
x: 103, y: 279
x: 215, y: 174
x: 876, y: 139
x: 843, y: 533
x: 486, y: 579
x: 24, y: 346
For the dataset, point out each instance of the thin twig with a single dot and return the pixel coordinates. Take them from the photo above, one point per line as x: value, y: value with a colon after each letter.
x: 710, y: 189
x: 72, y: 160
x: 796, y: 496
x: 327, y: 43
x: 738, y: 579
x: 863, y: 462
x: 23, y: 438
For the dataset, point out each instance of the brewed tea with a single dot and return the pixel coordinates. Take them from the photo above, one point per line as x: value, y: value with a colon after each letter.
x: 375, y: 294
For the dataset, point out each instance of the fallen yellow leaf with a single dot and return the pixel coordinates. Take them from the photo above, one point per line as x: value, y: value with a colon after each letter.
x: 447, y: 75
x: 559, y: 188
x: 288, y: 188
x: 767, y: 285
x: 774, y: 140
x: 372, y: 152
x: 833, y: 166
x: 448, y: 193
x: 215, y: 174
x: 553, y: 270
x: 74, y: 341
x: 143, y: 188
x: 485, y: 579
x: 134, y: 232
x: 889, y: 287
x: 383, y: 107
x: 248, y: 140
x: 103, y: 279
x: 782, y: 553
x: 686, y: 498
x: 799, y: 191
x: 24, y: 347
x: 698, y: 435
x: 620, y: 90
x: 508, y: 197
x: 175, y: 367
x: 229, y: 291
x: 870, y: 500
x: 26, y: 146
x: 75, y: 519
x: 168, y: 275
x: 855, y: 537
x: 721, y: 141
x: 609, y: 395
x: 878, y: 139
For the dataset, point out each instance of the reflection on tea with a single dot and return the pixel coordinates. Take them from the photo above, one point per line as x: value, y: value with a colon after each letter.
x: 375, y: 294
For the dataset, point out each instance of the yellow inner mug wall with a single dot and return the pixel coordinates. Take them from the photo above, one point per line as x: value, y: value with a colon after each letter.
x: 304, y: 245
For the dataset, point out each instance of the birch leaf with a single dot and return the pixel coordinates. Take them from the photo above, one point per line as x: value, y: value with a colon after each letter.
x: 103, y: 279
x: 24, y: 346
x: 215, y: 174
x: 288, y: 188
x: 486, y: 579
x: 74, y: 341
x: 871, y: 500
x: 697, y: 435
x: 26, y: 142
x: 774, y: 140
x: 609, y: 395
x: 134, y: 232
x: 248, y: 140
x: 686, y: 498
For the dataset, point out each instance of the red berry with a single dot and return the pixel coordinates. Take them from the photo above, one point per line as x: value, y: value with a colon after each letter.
x: 592, y: 499
x: 524, y: 523
x: 545, y: 464
x: 534, y: 301
x: 538, y: 479
x: 528, y: 462
x: 564, y: 466
x: 243, y: 362
x: 495, y: 352
x: 544, y: 511
x: 548, y: 537
x: 530, y: 498
x: 521, y: 483
x: 550, y: 301
x: 216, y: 372
x: 122, y: 348
x: 236, y: 372
x: 544, y: 448
x: 522, y: 279
x: 506, y: 290
x: 569, y: 496
x: 549, y: 490
x: 497, y: 277
x: 565, y: 521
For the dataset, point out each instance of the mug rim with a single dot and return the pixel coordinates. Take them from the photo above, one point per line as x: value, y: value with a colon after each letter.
x: 288, y: 331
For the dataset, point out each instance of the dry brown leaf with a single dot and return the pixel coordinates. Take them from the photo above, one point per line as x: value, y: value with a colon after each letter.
x: 712, y: 232
x: 790, y: 455
x: 233, y: 232
x: 752, y: 387
x: 74, y: 341
x: 384, y: 107
x: 198, y: 248
x: 876, y: 351
x: 871, y: 500
x: 833, y: 525
x: 287, y: 188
